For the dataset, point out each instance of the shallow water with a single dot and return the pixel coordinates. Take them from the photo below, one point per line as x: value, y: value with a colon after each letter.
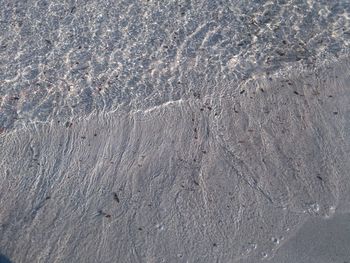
x: 196, y: 131
x: 62, y: 59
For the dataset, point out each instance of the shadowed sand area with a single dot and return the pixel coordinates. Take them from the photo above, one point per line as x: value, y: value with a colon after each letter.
x: 224, y: 178
x: 4, y: 259
x: 319, y: 241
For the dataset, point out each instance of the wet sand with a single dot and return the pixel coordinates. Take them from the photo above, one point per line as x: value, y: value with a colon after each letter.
x: 232, y: 177
x: 320, y: 241
x: 174, y: 131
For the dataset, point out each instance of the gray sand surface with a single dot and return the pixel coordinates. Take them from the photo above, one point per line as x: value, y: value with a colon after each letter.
x: 174, y: 131
x: 318, y: 241
x: 211, y: 180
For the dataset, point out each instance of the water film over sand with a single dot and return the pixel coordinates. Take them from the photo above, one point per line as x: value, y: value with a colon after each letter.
x: 223, y: 178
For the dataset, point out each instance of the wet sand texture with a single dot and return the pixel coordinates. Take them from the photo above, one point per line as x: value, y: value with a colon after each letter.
x: 223, y: 178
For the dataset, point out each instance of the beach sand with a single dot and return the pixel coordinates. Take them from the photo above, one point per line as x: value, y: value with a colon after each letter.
x: 318, y: 240
x: 239, y: 177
